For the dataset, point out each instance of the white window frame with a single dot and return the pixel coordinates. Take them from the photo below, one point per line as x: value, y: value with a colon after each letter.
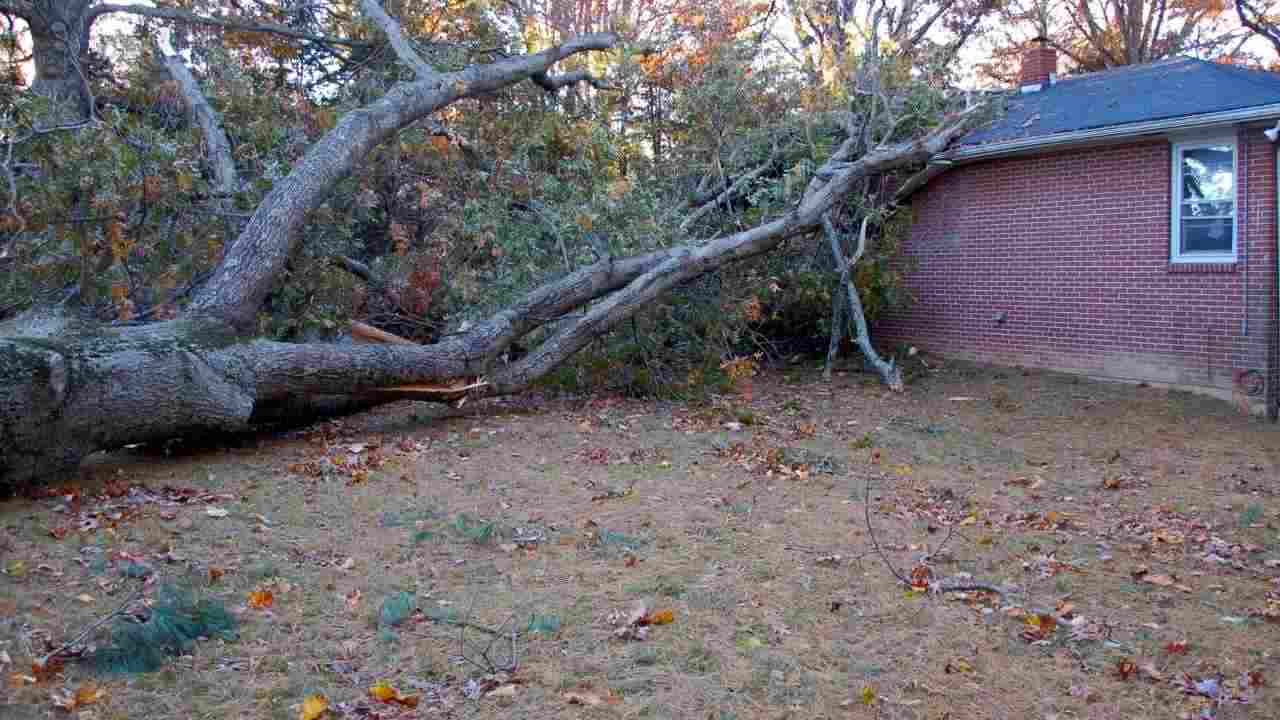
x: 1175, y: 212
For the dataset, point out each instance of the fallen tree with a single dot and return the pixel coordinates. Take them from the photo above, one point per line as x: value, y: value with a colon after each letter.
x: 70, y: 387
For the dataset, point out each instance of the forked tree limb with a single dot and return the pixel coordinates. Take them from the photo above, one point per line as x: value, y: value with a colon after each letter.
x: 687, y: 262
x: 219, y: 156
x: 399, y: 42
x: 887, y: 369
x: 729, y: 193
x: 1259, y: 22
x: 253, y: 260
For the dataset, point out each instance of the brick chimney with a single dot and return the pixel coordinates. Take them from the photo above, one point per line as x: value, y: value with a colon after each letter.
x: 1039, y: 66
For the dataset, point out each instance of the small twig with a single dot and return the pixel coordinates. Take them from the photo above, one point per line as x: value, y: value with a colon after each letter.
x: 871, y: 533
x: 951, y: 530
x: 837, y: 325
x: 512, y: 663
x: 489, y: 666
x: 463, y: 624
x: 42, y: 662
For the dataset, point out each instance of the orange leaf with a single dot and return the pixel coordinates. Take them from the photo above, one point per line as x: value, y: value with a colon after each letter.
x: 86, y: 695
x: 89, y: 694
x: 383, y: 692
x: 46, y: 671
x: 661, y: 617
x: 1039, y: 626
x: 261, y: 599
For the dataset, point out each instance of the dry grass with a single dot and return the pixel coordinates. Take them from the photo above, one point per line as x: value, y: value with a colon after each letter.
x: 567, y: 512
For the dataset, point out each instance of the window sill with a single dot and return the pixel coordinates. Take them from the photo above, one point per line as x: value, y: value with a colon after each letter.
x: 1202, y: 267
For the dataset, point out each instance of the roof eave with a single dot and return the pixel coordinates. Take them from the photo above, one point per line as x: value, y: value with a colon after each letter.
x: 1112, y: 132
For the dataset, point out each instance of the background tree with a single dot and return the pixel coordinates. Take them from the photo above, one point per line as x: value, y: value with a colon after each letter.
x: 1099, y: 34
x: 1261, y: 18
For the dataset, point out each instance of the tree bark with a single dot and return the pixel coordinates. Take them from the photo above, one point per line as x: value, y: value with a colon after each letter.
x: 59, y: 41
x: 221, y: 163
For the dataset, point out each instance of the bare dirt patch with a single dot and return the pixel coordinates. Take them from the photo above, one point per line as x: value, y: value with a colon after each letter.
x: 383, y: 563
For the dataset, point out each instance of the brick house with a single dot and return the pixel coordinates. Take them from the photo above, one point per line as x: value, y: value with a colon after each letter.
x: 1120, y: 225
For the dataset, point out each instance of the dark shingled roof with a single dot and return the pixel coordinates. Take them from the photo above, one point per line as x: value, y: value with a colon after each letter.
x: 1137, y: 93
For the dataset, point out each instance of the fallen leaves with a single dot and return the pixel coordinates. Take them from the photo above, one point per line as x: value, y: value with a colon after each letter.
x: 261, y: 599
x: 1038, y: 626
x: 635, y: 624
x: 661, y: 617
x: 582, y: 698
x: 384, y: 692
x: 1144, y: 574
x: 1271, y: 610
x: 85, y: 695
x: 502, y: 692
x: 921, y: 577
x: 314, y: 707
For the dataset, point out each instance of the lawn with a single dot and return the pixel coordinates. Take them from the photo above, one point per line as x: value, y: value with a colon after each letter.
x: 735, y: 558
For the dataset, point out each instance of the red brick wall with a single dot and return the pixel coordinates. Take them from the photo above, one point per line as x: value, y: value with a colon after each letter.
x: 1062, y: 261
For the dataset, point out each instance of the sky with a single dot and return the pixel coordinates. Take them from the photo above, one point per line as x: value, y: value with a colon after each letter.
x: 970, y: 56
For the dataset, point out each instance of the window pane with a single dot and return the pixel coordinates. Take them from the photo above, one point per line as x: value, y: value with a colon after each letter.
x: 1224, y: 208
x: 1208, y: 173
x: 1207, y: 236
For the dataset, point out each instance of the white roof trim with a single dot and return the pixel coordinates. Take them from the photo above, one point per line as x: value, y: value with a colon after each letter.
x: 1112, y: 132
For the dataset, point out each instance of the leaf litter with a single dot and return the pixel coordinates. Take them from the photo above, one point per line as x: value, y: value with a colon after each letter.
x: 1116, y: 557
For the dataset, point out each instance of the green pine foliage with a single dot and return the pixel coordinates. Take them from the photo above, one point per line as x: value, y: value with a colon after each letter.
x: 177, y: 620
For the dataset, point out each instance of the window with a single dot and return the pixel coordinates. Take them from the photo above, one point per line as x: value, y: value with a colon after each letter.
x: 1204, y: 201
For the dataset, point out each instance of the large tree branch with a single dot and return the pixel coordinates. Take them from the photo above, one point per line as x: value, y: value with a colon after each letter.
x: 728, y: 193
x: 283, y: 369
x: 253, y: 261
x: 553, y: 83
x: 177, y: 15
x: 219, y: 157
x: 1255, y: 20
x: 403, y: 47
x: 888, y: 371
x: 690, y: 261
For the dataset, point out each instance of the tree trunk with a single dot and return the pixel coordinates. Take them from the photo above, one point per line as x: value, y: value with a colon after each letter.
x: 70, y: 387
x: 59, y: 40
